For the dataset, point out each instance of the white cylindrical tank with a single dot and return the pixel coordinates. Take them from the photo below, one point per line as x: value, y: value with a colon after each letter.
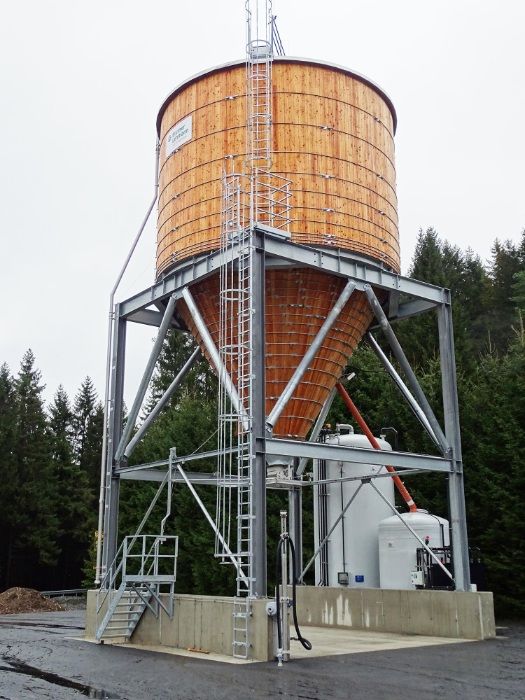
x: 352, y: 552
x: 397, y: 545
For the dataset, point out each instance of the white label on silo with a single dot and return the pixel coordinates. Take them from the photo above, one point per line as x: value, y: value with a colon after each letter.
x: 181, y: 133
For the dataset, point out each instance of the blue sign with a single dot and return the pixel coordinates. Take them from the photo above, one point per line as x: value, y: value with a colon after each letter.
x: 359, y: 578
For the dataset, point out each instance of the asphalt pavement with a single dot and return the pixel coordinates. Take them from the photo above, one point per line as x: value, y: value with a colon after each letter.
x: 43, y: 655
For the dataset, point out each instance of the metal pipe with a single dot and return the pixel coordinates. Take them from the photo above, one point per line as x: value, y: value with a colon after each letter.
x: 339, y: 518
x: 212, y: 351
x: 407, y: 369
x: 416, y: 408
x: 285, y: 622
x: 168, y: 497
x: 418, y: 538
x: 148, y: 372
x: 208, y: 517
x: 161, y: 403
x: 364, y: 427
x: 317, y: 428
x: 309, y: 356
x: 111, y: 319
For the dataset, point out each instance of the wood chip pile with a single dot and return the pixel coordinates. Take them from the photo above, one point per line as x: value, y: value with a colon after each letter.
x: 25, y: 600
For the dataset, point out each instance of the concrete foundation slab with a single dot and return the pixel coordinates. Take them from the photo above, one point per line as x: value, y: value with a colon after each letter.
x: 341, y: 620
x: 325, y: 642
x: 453, y: 614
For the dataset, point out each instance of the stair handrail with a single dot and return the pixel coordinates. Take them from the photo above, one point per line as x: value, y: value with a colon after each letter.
x: 148, y: 566
x: 109, y: 578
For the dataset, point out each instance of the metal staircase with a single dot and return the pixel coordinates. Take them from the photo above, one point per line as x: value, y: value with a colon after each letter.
x: 143, y: 577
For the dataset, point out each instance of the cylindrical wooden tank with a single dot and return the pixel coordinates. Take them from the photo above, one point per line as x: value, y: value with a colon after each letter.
x: 332, y: 138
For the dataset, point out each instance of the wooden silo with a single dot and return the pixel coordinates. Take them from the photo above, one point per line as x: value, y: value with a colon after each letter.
x: 332, y: 138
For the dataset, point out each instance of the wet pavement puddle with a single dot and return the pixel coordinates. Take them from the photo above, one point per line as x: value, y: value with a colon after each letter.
x: 17, y: 623
x: 19, y: 667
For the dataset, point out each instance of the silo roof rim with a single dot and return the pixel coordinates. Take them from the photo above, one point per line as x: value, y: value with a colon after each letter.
x: 277, y: 59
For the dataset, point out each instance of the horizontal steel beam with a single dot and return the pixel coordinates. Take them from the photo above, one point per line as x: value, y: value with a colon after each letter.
x: 338, y: 262
x: 203, y: 478
x: 344, y: 264
x: 413, y: 308
x: 357, y: 455
x: 210, y: 478
x: 194, y: 457
x: 174, y: 282
x: 149, y: 317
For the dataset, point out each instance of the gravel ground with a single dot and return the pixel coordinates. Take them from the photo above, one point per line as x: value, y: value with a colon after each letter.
x: 43, y: 655
x: 73, y: 602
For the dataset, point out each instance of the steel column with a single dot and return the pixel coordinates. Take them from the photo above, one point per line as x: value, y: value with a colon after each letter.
x: 258, y: 447
x: 115, y: 420
x: 458, y: 518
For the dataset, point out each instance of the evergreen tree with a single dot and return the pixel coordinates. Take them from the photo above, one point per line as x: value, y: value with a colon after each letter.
x: 33, y: 514
x: 493, y: 416
x: 445, y: 265
x: 200, y: 381
x: 87, y: 423
x: 60, y: 423
x: 518, y: 290
x: 8, y: 472
x: 508, y: 260
x: 76, y: 512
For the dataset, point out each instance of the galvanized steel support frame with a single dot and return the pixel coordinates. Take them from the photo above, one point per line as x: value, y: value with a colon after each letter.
x: 114, y: 428
x: 456, y: 492
x: 258, y: 438
x: 274, y: 248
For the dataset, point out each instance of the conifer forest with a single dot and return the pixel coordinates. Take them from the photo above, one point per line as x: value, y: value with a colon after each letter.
x: 50, y: 453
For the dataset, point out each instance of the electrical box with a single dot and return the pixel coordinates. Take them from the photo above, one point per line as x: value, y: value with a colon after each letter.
x: 342, y: 578
x: 416, y: 578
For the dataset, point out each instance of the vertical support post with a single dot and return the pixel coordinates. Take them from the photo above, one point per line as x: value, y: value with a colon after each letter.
x: 456, y: 493
x: 295, y: 508
x: 258, y: 437
x: 285, y: 622
x: 114, y: 427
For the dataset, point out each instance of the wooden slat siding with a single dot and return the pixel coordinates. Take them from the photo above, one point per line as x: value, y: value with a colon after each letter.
x: 297, y: 303
x: 357, y: 152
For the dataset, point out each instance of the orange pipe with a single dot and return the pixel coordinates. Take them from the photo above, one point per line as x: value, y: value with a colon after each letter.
x: 366, y: 430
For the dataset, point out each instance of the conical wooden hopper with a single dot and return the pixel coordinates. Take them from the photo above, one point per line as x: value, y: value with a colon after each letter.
x: 332, y: 137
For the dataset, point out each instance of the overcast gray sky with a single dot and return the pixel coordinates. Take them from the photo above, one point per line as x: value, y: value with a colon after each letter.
x: 80, y: 87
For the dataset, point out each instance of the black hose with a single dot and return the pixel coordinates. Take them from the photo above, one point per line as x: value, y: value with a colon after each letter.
x: 306, y: 644
x: 278, y: 576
